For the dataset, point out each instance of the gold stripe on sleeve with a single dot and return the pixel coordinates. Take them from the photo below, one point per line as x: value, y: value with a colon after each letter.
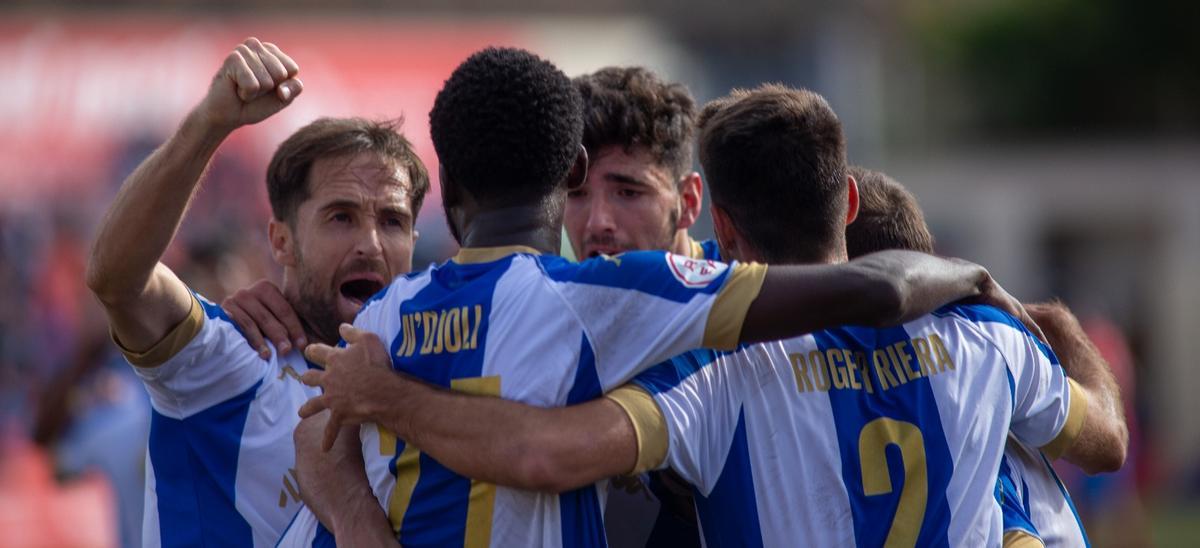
x: 170, y: 344
x: 1076, y: 413
x: 648, y: 423
x: 1021, y: 539
x: 733, y: 300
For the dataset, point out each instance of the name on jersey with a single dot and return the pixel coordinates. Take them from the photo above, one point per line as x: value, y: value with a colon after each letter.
x: 883, y: 369
x: 449, y: 331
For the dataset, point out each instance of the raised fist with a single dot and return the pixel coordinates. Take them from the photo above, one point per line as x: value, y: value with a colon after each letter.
x: 256, y: 80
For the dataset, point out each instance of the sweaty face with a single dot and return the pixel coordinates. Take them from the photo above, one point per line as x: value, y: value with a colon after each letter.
x: 352, y: 236
x: 628, y: 202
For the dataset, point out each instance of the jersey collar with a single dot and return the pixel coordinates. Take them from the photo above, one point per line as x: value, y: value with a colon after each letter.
x: 473, y: 255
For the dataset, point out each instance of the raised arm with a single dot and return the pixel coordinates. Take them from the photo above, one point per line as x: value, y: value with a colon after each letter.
x: 1101, y: 444
x: 144, y: 300
x: 880, y: 289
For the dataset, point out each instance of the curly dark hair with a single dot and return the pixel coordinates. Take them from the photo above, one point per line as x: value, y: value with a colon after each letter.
x: 287, y: 174
x: 776, y: 155
x: 506, y: 126
x: 632, y: 106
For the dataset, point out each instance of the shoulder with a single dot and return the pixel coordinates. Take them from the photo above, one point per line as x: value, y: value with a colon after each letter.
x: 666, y: 275
x: 996, y: 325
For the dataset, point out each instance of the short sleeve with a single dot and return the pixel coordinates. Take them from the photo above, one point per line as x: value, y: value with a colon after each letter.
x: 1048, y: 408
x: 699, y: 404
x: 641, y: 308
x: 199, y: 363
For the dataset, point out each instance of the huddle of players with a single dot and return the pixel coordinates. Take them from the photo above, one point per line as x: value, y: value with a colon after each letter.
x: 850, y: 435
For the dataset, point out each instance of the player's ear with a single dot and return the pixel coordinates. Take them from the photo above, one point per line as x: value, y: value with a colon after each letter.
x: 283, y: 242
x: 579, y: 170
x: 727, y: 236
x: 851, y: 199
x: 691, y: 197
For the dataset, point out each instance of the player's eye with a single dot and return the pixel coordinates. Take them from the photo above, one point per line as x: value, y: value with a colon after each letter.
x: 393, y: 222
x: 629, y: 193
x: 340, y: 217
x: 576, y: 194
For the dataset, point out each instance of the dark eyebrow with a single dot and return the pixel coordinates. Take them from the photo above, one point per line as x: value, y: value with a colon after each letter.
x: 625, y: 179
x: 340, y: 204
x: 391, y: 210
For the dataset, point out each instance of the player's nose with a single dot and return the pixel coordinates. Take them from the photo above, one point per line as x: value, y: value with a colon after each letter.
x: 369, y: 243
x: 600, y: 216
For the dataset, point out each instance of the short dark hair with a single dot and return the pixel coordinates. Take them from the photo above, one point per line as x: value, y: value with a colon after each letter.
x: 775, y: 159
x: 507, y: 126
x: 288, y: 172
x: 888, y: 217
x: 632, y: 106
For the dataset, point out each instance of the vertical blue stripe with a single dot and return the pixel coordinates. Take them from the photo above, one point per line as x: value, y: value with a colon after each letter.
x: 912, y: 402
x: 195, y: 464
x: 1014, y: 503
x: 581, y: 518
x: 437, y: 512
x: 729, y: 514
x: 1067, y: 497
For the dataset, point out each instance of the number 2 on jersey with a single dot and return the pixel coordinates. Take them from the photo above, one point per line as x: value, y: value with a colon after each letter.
x: 877, y: 480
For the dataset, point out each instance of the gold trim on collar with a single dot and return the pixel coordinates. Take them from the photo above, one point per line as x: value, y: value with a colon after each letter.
x: 474, y: 255
x: 697, y: 250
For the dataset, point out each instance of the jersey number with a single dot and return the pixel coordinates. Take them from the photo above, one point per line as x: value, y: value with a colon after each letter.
x: 408, y: 471
x: 910, y: 511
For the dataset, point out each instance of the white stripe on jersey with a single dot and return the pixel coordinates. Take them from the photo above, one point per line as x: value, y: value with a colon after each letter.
x: 220, y: 457
x: 541, y: 330
x: 1041, y: 497
x: 806, y: 439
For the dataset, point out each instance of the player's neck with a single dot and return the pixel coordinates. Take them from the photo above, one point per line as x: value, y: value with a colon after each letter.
x: 529, y: 226
x: 682, y: 244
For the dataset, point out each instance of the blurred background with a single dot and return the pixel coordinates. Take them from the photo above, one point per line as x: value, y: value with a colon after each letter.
x: 1056, y: 142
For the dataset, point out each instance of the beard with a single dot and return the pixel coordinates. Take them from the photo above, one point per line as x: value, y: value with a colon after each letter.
x: 316, y: 306
x: 663, y: 241
x: 317, y: 302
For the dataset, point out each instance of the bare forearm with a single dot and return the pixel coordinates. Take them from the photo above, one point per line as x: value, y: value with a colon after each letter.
x: 334, y: 485
x: 880, y: 289
x: 1104, y: 439
x: 513, y: 444
x: 147, y: 211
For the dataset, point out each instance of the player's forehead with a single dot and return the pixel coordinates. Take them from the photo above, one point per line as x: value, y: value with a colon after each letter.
x: 368, y: 179
x: 636, y: 165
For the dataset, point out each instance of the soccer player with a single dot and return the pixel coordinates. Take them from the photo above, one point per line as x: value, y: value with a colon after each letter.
x: 506, y: 318
x: 640, y: 192
x: 1034, y: 500
x: 344, y: 194
x: 852, y: 435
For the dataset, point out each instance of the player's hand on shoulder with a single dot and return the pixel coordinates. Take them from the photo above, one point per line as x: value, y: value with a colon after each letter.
x: 262, y: 312
x: 256, y: 80
x: 996, y: 296
x: 353, y: 380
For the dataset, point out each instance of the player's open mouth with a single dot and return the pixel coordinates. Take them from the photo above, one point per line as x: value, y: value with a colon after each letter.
x: 596, y: 252
x: 357, y: 291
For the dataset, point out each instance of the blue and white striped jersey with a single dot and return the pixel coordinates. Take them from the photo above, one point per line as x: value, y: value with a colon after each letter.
x: 220, y: 459
x: 1034, y: 499
x: 540, y: 330
x: 856, y: 436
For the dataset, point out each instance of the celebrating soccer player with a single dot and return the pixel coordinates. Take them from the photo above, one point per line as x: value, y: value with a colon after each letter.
x: 344, y: 194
